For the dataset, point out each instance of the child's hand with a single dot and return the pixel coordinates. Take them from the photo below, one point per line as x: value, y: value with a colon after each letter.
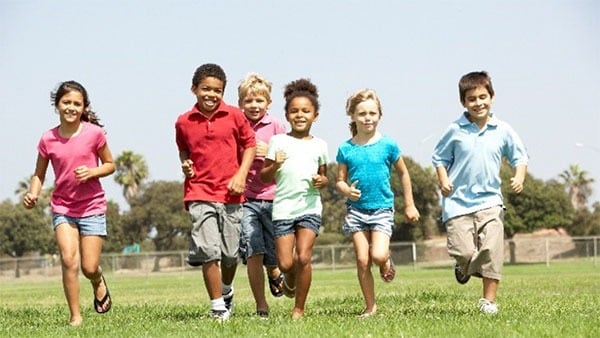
x: 29, y: 200
x: 446, y: 188
x: 261, y: 149
x: 187, y: 167
x: 237, y: 185
x: 83, y: 173
x: 516, y: 184
x: 353, y: 193
x: 280, y: 156
x: 411, y: 214
x: 319, y: 181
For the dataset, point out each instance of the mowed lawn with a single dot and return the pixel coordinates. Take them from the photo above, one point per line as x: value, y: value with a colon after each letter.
x: 562, y: 300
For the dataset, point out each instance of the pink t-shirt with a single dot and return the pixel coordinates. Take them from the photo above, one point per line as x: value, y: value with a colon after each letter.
x: 70, y: 197
x: 255, y: 187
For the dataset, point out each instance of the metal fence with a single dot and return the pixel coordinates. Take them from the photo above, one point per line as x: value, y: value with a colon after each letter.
x: 523, y: 250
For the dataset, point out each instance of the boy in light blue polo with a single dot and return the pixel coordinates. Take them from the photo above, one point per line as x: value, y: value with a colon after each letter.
x: 467, y: 160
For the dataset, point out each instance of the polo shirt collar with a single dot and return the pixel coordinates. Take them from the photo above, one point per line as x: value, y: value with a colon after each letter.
x: 464, y: 121
x: 220, y: 109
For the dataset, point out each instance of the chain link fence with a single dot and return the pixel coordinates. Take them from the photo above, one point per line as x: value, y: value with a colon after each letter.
x: 428, y: 253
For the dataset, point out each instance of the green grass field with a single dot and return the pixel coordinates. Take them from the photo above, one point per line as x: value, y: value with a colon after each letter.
x: 562, y: 300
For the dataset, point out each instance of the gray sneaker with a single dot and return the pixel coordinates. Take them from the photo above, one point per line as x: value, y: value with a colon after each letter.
x: 228, y: 298
x: 220, y: 315
x: 460, y: 276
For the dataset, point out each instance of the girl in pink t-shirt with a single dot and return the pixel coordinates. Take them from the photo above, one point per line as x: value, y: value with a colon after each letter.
x: 74, y: 148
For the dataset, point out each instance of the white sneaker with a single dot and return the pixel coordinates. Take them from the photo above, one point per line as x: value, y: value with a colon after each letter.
x: 220, y: 315
x: 228, y: 298
x: 488, y: 307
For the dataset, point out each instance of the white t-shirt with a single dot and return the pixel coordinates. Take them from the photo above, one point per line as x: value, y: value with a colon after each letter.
x: 295, y: 194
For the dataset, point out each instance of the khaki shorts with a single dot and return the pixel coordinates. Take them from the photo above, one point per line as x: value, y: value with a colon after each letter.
x: 215, y: 234
x: 476, y: 241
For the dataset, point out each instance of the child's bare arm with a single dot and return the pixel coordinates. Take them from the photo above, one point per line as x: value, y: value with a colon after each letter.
x: 320, y: 180
x: 445, y: 184
x: 516, y: 182
x: 237, y: 184
x: 410, y: 210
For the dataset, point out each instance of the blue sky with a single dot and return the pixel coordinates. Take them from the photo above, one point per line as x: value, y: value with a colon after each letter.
x: 137, y: 58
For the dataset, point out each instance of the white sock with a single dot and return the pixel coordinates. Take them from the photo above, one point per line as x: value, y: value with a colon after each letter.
x: 217, y: 304
x: 226, y: 288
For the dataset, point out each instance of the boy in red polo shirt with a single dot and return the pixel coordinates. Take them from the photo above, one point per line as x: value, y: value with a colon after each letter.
x: 216, y: 148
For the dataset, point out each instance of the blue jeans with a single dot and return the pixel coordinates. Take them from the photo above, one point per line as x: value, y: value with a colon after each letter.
x: 258, y: 236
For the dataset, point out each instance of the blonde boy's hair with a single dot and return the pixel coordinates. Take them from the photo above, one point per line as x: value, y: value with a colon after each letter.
x: 254, y: 84
x: 355, y: 99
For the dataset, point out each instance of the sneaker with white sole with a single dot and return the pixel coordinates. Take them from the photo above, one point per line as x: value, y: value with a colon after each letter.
x: 220, y: 315
x: 228, y: 298
x: 488, y: 307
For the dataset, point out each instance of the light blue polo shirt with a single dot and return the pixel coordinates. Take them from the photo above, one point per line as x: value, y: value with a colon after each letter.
x: 473, y: 157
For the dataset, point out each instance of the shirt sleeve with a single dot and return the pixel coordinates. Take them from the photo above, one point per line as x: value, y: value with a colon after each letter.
x: 443, y: 151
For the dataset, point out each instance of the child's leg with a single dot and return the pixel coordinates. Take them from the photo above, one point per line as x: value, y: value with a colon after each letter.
x: 67, y: 237
x: 212, y: 279
x: 380, y: 249
x: 256, y: 277
x: 490, y: 257
x: 304, y: 245
x: 91, y: 247
x: 361, y: 240
x: 461, y: 239
x: 284, y: 246
x: 490, y: 288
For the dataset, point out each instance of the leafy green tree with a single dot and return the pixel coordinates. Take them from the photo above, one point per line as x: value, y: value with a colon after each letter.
x: 158, y: 209
x: 23, y: 231
x: 540, y: 204
x: 334, y: 210
x: 115, y: 240
x: 427, y: 201
x: 131, y: 171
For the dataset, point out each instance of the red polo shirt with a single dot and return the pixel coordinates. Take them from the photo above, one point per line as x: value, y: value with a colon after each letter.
x: 215, y: 145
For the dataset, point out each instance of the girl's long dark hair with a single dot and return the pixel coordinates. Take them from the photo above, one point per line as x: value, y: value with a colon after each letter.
x: 69, y: 86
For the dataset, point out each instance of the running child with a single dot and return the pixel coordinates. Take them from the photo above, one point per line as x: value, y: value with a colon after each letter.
x: 467, y: 160
x: 298, y: 163
x: 257, y: 242
x: 364, y: 168
x: 79, y: 154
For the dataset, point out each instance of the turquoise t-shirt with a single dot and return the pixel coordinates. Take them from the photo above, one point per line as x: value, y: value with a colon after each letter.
x: 295, y: 194
x: 370, y: 165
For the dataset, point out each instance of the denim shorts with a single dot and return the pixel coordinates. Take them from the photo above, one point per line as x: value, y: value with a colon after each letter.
x: 258, y: 236
x: 94, y: 225
x: 288, y: 226
x: 380, y: 220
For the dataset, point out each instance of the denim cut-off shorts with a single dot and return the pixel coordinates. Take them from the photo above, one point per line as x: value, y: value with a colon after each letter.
x: 380, y: 220
x: 288, y: 226
x: 94, y: 225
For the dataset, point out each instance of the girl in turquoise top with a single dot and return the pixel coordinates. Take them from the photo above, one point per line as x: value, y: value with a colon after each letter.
x: 364, y: 166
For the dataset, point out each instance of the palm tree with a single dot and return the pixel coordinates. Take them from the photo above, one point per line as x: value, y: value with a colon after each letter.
x: 578, y: 185
x: 23, y: 187
x: 131, y: 171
